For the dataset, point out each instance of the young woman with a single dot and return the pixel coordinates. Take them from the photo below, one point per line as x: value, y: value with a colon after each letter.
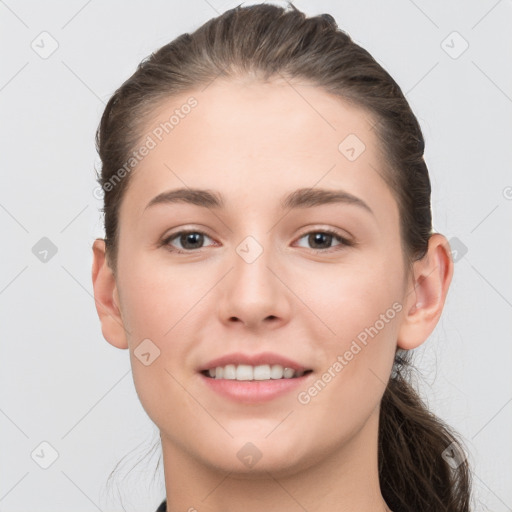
x: 270, y: 264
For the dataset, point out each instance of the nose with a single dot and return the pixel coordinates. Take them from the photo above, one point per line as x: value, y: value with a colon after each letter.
x: 253, y: 293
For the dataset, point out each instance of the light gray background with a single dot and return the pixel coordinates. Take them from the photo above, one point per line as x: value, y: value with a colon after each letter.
x: 61, y: 383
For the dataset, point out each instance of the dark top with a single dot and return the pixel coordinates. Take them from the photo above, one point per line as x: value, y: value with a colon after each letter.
x: 162, y: 507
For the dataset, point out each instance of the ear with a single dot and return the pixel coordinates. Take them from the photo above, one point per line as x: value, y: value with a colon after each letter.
x: 426, y: 294
x: 106, y: 297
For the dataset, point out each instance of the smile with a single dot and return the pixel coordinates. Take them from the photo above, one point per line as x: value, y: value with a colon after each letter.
x: 246, y: 372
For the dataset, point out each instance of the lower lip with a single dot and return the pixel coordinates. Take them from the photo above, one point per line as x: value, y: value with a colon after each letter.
x: 254, y: 391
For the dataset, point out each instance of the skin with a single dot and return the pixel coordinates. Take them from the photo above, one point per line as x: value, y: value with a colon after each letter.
x: 254, y: 143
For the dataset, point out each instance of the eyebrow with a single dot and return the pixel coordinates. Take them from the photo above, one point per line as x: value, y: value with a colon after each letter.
x: 300, y: 198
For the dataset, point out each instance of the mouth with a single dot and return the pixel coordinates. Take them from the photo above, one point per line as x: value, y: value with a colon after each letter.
x: 254, y: 378
x: 246, y: 372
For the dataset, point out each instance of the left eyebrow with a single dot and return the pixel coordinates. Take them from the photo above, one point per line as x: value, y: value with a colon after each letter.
x: 300, y: 198
x: 310, y: 197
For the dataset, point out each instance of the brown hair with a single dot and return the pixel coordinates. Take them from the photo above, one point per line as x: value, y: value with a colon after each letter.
x: 267, y: 41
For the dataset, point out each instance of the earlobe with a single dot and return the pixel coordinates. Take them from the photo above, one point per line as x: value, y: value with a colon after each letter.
x: 106, y: 298
x: 425, y: 298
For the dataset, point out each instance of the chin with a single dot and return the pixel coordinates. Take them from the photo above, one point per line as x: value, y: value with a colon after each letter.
x: 249, y: 457
x: 266, y: 467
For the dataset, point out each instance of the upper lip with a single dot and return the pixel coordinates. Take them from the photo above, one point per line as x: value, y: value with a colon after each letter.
x: 254, y: 360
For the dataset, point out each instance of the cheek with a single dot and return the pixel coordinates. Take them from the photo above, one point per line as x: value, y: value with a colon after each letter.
x: 343, y: 318
x: 156, y: 299
x: 159, y: 305
x: 352, y: 297
x: 362, y: 309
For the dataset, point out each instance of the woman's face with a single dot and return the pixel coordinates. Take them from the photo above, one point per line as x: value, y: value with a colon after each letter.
x: 259, y: 274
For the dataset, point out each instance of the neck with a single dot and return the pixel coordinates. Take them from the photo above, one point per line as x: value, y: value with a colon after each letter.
x: 343, y: 480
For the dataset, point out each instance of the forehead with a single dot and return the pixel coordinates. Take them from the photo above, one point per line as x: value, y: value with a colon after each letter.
x: 251, y: 116
x: 251, y: 137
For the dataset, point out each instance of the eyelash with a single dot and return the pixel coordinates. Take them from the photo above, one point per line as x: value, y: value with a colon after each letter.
x: 344, y: 242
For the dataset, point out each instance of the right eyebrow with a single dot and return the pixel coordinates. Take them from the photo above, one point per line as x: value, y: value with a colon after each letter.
x: 198, y: 197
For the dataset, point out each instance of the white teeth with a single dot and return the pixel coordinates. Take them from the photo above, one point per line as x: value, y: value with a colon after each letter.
x: 230, y: 372
x: 288, y: 373
x: 244, y: 372
x: 276, y: 372
x: 248, y: 372
x: 262, y: 372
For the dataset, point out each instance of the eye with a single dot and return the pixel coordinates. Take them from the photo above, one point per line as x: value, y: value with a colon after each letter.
x: 321, y: 240
x: 188, y: 240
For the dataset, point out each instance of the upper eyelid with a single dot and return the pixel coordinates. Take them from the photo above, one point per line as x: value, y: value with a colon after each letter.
x: 166, y: 240
x: 346, y: 240
x: 309, y: 231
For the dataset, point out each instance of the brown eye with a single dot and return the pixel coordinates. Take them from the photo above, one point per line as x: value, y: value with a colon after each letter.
x: 323, y: 240
x: 187, y: 241
x: 320, y: 240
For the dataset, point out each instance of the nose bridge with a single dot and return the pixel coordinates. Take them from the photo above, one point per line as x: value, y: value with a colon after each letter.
x: 253, y: 293
x: 252, y: 279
